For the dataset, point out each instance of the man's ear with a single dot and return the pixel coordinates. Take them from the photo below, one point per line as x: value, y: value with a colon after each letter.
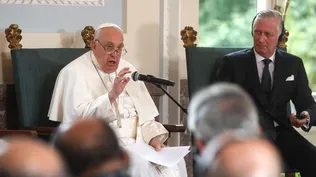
x: 92, y: 44
x: 199, y: 144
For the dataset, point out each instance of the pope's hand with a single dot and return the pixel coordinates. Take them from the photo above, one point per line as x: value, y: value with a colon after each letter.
x: 119, y: 84
x: 156, y: 143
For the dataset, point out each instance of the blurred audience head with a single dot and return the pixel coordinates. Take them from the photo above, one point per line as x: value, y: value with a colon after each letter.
x: 29, y: 157
x: 221, y: 107
x: 90, y: 148
x: 253, y: 157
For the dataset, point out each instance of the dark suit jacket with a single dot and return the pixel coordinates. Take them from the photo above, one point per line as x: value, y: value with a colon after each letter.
x: 240, y: 67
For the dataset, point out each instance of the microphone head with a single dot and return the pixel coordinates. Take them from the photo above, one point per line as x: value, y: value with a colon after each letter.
x: 134, y: 76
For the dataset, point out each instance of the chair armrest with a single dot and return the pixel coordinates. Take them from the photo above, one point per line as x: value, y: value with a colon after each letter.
x: 174, y: 128
x: 41, y: 130
x: 50, y: 130
x: 18, y: 132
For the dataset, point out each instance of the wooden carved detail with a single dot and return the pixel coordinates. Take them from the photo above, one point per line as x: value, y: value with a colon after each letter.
x: 87, y: 35
x: 13, y: 36
x: 188, y: 36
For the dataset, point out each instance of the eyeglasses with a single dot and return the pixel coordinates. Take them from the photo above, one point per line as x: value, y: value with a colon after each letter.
x: 109, y: 49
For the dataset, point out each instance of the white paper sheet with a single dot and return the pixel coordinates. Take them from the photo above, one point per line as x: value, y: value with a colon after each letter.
x: 167, y: 156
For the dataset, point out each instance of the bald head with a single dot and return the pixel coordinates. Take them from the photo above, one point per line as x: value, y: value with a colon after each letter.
x: 25, y: 157
x: 83, y: 133
x: 86, y: 144
x: 247, y: 158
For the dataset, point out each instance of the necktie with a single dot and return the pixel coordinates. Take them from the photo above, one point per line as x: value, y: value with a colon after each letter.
x: 266, y: 77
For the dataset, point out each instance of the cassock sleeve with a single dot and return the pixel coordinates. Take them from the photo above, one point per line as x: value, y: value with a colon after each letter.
x: 72, y: 99
x: 152, y: 129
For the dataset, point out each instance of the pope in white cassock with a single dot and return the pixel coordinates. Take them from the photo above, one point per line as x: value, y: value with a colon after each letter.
x: 97, y: 84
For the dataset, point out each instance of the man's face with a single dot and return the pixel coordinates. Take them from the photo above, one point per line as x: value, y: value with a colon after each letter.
x: 108, y: 49
x: 265, y: 36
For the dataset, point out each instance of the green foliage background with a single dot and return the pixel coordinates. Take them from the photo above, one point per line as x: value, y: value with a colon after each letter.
x: 227, y: 23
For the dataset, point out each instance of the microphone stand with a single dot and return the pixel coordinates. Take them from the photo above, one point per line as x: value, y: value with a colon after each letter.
x: 182, y: 108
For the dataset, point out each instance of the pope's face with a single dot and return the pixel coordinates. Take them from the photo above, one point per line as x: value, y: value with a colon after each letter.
x: 108, y: 48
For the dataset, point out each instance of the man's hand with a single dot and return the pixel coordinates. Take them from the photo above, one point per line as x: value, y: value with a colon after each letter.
x: 156, y: 143
x: 297, y: 122
x: 119, y: 84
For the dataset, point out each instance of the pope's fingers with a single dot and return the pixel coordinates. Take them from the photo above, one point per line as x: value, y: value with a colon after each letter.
x: 123, y: 81
x: 124, y: 71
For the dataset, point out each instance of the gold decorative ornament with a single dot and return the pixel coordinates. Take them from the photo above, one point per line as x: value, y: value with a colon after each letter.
x: 87, y: 35
x: 286, y: 32
x: 284, y: 39
x: 188, y: 36
x: 277, y: 8
x: 13, y: 36
x: 286, y: 6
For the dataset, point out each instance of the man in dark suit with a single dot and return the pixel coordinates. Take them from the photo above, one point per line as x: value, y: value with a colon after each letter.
x: 273, y: 78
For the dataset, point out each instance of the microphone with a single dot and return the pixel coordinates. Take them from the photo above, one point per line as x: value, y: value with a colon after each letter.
x: 149, y: 78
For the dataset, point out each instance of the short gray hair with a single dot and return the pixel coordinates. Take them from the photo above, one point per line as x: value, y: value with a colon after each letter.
x: 219, y: 108
x: 267, y: 14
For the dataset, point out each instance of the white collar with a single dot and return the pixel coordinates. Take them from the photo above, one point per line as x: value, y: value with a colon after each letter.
x: 259, y: 58
x: 94, y: 60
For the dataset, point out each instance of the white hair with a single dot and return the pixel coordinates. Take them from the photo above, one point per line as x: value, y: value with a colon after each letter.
x: 219, y: 108
x: 266, y: 14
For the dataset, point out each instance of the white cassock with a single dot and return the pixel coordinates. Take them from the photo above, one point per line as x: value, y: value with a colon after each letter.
x: 81, y: 90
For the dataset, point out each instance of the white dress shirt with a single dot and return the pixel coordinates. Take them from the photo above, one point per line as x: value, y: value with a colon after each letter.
x: 260, y: 66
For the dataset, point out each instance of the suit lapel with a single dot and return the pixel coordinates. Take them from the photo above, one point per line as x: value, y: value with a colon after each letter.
x: 278, y: 75
x: 253, y: 78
